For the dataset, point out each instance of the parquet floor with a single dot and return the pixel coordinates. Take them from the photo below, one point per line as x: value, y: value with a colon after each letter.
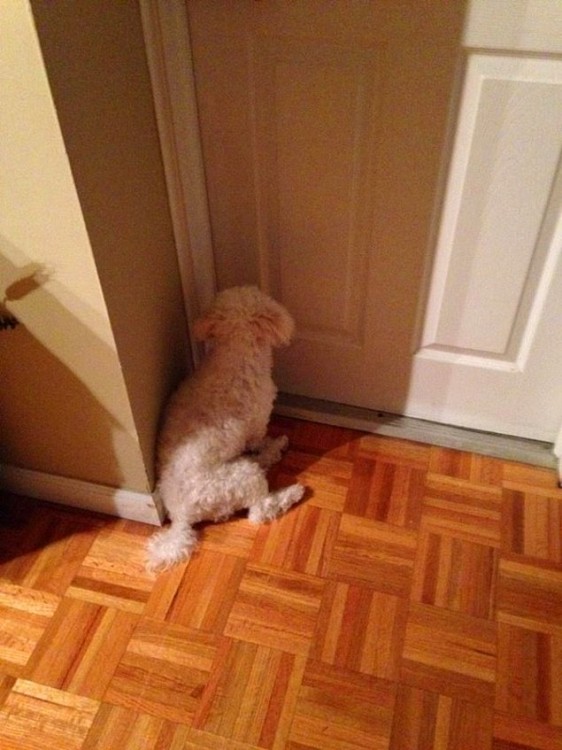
x: 413, y: 601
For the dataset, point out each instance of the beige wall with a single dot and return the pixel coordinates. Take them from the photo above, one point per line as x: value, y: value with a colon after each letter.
x: 102, y: 339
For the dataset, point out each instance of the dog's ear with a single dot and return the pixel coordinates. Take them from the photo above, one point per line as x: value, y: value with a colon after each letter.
x: 275, y: 325
x: 208, y: 327
x: 245, y: 309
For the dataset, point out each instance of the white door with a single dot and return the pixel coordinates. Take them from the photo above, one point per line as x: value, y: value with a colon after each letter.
x: 324, y: 129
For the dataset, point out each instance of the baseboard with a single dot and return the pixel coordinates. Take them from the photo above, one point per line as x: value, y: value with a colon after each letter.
x: 134, y: 506
x: 392, y: 425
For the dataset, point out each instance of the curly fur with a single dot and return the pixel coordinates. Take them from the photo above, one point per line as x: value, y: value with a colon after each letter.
x: 215, y: 418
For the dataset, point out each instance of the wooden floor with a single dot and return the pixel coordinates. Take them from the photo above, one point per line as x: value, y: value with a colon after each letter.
x: 412, y: 601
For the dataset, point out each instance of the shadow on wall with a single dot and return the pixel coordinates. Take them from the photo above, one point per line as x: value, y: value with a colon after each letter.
x: 51, y: 421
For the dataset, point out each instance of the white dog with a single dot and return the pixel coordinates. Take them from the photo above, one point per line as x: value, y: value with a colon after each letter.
x: 218, y: 415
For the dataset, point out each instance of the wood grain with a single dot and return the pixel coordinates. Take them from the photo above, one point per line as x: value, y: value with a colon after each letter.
x: 533, y: 524
x: 429, y: 721
x: 266, y: 679
x: 24, y: 615
x: 163, y: 671
x: 276, y: 608
x: 468, y: 466
x: 450, y: 653
x: 375, y: 554
x: 340, y: 708
x: 463, y: 509
x: 455, y: 574
x: 361, y: 629
x: 34, y: 716
x: 81, y: 648
x: 387, y: 492
x: 411, y: 601
x: 529, y: 674
x: 302, y: 541
x: 530, y: 593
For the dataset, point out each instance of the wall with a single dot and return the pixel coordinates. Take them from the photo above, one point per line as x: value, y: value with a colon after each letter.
x: 87, y: 259
x: 96, y: 63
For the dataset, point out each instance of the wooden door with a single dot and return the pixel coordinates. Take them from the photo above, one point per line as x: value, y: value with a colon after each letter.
x: 399, y: 192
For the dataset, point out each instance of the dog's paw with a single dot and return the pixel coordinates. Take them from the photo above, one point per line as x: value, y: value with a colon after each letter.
x: 271, y: 451
x: 276, y: 504
x: 290, y: 496
x: 282, y: 442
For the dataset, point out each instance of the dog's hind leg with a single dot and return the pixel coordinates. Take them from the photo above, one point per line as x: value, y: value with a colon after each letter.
x: 275, y: 504
x: 243, y: 484
x: 270, y: 451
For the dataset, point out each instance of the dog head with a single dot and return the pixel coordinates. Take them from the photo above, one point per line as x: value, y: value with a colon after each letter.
x: 247, y: 311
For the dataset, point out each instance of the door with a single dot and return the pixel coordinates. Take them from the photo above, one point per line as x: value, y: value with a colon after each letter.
x: 400, y: 192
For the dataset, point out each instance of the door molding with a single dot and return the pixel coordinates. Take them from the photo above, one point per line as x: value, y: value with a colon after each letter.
x: 168, y: 50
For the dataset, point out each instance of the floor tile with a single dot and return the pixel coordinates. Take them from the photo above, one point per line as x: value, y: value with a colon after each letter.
x: 472, y: 467
x: 24, y: 616
x: 233, y: 537
x: 455, y: 574
x: 276, y: 608
x: 163, y: 671
x: 203, y: 595
x: 326, y: 479
x: 43, y: 550
x: 113, y: 573
x: 462, y: 509
x: 523, y: 477
x: 81, y: 648
x: 529, y: 674
x: 373, y: 553
x: 530, y: 594
x: 337, y: 708
x: 427, y: 721
x: 519, y: 733
x: 391, y: 450
x: 301, y: 541
x: 450, y: 653
x: 388, y: 492
x: 361, y: 630
x: 266, y: 679
x: 322, y: 439
x: 532, y: 525
x: 35, y: 717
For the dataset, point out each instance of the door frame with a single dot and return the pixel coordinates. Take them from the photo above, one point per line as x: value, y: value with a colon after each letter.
x: 170, y: 62
x: 558, y: 454
x: 168, y: 50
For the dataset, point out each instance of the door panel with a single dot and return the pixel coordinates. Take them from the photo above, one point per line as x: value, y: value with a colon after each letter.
x: 315, y: 126
x: 496, y: 242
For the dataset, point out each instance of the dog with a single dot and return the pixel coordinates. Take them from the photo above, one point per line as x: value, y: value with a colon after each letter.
x: 213, y: 450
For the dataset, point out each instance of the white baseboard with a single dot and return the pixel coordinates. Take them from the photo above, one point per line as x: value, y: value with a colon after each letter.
x: 134, y: 506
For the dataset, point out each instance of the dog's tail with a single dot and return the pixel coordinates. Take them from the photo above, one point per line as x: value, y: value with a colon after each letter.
x: 170, y: 546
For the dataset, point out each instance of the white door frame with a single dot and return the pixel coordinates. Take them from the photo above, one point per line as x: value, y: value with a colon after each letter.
x: 168, y: 48
x: 170, y: 62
